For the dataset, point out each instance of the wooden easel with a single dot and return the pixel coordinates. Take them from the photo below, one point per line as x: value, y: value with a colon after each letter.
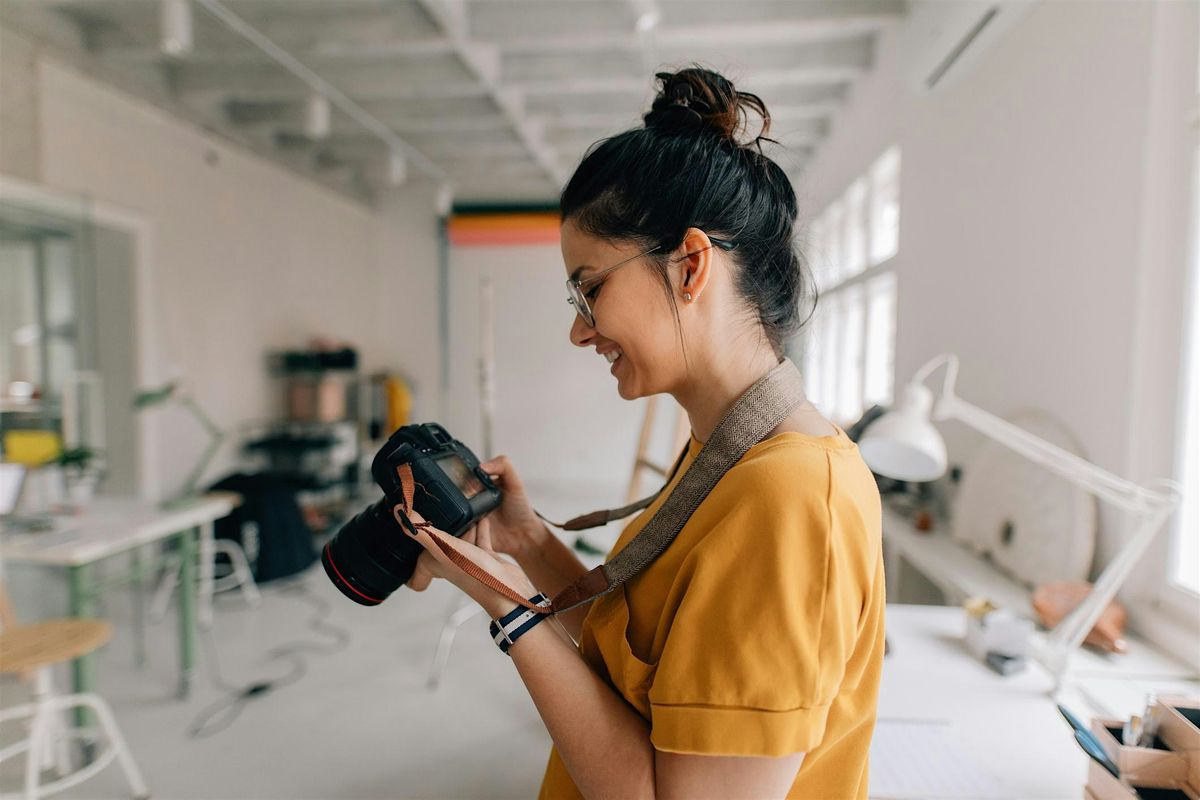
x: 642, y: 460
x: 596, y: 544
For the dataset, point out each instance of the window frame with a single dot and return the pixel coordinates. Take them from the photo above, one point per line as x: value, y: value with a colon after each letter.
x: 839, y: 281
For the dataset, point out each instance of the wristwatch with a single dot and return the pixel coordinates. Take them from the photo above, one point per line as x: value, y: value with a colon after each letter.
x: 517, y: 622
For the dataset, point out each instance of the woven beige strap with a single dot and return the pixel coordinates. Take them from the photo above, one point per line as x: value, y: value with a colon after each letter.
x: 755, y: 414
x: 759, y: 410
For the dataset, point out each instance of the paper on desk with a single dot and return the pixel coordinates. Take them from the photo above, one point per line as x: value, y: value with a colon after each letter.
x: 920, y: 759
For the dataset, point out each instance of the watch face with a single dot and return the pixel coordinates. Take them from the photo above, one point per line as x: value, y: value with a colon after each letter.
x: 458, y: 471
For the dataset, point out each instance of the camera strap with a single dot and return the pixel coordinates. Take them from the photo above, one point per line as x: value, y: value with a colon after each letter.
x: 757, y: 412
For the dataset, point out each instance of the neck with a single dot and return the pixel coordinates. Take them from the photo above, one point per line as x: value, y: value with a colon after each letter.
x: 713, y: 387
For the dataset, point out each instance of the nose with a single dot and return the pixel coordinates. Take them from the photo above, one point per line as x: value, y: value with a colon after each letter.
x: 581, y: 333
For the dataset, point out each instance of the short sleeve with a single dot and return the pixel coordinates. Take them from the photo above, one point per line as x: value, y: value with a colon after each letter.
x: 762, y: 624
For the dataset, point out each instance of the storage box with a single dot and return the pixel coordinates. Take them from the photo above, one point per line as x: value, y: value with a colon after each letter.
x: 1180, y: 729
x: 1141, y: 763
x: 1102, y: 785
x: 1179, y: 722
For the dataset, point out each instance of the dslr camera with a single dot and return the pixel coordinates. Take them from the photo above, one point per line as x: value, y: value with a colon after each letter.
x: 371, y: 555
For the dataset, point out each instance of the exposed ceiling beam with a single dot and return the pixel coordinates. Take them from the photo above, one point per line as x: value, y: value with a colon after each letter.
x: 704, y: 36
x: 621, y: 121
x: 484, y: 64
x: 318, y: 84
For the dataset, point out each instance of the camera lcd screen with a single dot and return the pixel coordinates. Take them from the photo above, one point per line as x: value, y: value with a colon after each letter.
x: 458, y: 472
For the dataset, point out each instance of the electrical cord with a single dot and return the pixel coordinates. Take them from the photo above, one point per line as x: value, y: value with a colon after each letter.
x: 222, y: 713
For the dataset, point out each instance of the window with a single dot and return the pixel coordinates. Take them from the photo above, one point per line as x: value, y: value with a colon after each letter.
x: 854, y: 249
x: 885, y: 206
x: 833, y: 245
x: 881, y: 340
x: 1185, y: 569
x: 850, y: 345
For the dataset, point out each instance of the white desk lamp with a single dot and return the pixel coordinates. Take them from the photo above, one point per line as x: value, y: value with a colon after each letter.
x: 904, y: 445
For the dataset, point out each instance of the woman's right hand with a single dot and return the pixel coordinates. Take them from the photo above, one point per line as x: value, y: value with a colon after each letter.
x: 515, y: 528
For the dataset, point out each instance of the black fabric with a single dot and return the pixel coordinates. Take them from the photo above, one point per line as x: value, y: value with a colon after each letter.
x: 285, y: 542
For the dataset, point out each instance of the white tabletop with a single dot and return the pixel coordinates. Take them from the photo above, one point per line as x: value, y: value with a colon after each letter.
x: 1006, y: 729
x: 108, y: 526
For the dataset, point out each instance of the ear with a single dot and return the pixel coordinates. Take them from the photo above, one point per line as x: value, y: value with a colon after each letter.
x: 695, y: 259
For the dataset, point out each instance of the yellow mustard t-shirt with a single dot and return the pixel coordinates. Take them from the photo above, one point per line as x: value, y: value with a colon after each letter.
x: 759, y: 631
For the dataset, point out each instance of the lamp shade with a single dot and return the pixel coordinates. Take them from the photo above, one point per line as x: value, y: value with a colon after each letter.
x: 903, y: 444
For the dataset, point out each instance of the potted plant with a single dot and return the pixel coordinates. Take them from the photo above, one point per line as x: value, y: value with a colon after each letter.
x: 81, y: 473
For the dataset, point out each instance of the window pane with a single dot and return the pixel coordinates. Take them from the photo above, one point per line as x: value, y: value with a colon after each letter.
x: 1186, y: 557
x: 812, y: 362
x: 881, y: 340
x: 849, y: 393
x: 834, y: 222
x: 854, y: 249
x: 885, y: 206
x: 830, y: 325
x: 817, y: 257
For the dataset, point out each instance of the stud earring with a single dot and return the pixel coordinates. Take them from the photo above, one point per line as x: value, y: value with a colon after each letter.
x: 687, y: 296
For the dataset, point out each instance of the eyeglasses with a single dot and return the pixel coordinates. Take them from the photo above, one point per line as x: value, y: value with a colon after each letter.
x: 578, y: 298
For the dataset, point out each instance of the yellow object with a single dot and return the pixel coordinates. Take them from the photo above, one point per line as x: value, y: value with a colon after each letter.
x: 759, y: 631
x: 399, y: 403
x: 32, y: 448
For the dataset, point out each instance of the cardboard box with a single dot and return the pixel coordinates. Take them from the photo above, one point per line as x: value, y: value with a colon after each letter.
x: 1141, y: 763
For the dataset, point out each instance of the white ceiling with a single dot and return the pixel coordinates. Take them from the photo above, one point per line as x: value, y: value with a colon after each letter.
x: 499, y: 97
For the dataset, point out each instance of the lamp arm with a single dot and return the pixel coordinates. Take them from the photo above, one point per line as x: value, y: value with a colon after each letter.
x: 209, y: 426
x: 1120, y: 492
x: 216, y: 437
x: 1068, y: 635
x: 1152, y: 508
x: 951, y: 362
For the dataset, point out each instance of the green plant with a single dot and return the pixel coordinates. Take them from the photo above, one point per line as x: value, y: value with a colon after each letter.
x: 77, y: 458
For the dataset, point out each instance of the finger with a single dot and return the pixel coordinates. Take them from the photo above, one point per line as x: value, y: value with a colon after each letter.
x: 421, y: 577
x: 483, y: 536
x: 472, y: 534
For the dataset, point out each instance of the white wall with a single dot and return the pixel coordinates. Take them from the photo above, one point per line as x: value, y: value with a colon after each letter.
x: 558, y: 415
x: 246, y: 257
x: 1024, y: 229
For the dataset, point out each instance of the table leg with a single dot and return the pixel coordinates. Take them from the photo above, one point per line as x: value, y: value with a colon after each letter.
x: 187, y: 609
x: 82, y: 599
x: 207, y: 556
x: 138, y: 594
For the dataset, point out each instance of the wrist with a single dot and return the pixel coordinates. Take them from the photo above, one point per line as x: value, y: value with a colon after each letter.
x: 496, y: 605
x: 533, y: 539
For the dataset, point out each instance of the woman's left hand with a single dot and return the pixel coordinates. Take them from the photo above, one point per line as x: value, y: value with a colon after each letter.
x: 475, y: 544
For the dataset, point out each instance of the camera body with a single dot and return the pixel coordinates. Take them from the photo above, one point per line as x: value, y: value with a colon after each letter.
x: 372, y: 556
x: 452, y: 491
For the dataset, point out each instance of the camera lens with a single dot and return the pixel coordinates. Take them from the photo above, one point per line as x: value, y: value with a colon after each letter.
x: 371, y: 556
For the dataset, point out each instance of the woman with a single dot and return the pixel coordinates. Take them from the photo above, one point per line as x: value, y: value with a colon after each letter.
x: 745, y: 660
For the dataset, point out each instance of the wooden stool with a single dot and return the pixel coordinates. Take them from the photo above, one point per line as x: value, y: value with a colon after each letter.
x: 35, y: 649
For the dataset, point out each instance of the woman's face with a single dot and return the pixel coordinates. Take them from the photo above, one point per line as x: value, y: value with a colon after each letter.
x: 635, y: 325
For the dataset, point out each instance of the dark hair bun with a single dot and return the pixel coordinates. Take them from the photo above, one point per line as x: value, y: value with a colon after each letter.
x: 697, y: 100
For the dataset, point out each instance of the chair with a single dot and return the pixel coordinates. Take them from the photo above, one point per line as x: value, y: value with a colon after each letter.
x: 35, y: 649
x: 239, y: 576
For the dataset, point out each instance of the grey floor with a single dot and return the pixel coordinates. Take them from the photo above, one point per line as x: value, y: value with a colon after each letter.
x: 359, y: 723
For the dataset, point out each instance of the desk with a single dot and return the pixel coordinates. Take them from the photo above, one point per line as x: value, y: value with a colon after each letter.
x: 1008, y: 725
x: 111, y: 526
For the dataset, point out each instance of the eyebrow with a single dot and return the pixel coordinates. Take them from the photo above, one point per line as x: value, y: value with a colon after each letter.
x: 579, y: 270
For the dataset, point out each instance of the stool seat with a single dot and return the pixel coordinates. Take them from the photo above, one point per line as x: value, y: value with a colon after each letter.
x: 29, y: 647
